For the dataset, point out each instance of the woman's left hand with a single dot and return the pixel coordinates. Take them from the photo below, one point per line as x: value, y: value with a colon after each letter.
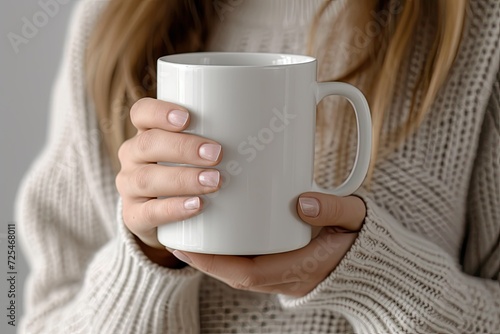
x: 335, y: 221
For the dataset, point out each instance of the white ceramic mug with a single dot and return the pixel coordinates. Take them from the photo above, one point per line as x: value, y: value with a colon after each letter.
x: 261, y: 108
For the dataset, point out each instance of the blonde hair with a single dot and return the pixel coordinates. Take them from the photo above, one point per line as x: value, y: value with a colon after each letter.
x: 123, y: 49
x: 375, y: 70
x: 132, y: 34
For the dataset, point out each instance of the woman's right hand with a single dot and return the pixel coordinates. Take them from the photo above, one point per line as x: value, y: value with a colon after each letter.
x: 141, y: 180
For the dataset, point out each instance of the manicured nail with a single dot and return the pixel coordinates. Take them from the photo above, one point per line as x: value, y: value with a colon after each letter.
x: 182, y: 256
x: 177, y: 118
x: 309, y: 206
x: 210, y: 178
x: 210, y: 152
x: 192, y: 203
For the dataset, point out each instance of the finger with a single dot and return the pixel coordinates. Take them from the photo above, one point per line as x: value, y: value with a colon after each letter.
x: 148, y: 113
x: 142, y: 219
x: 153, y: 180
x: 320, y: 209
x: 157, y: 145
x: 309, y: 264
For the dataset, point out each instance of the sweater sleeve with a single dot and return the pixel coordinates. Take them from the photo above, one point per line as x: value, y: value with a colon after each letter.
x: 87, y: 273
x: 393, y: 280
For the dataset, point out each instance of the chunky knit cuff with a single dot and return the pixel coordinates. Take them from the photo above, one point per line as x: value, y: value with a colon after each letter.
x: 386, y: 263
x: 124, y: 292
x: 153, y: 296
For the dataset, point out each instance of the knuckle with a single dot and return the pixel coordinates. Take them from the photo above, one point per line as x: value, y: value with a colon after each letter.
x: 181, y: 145
x: 248, y: 281
x: 182, y: 179
x: 335, y: 210
x: 119, y: 182
x: 168, y: 209
x: 145, y: 141
x: 123, y: 151
x: 148, y: 214
x: 142, y: 177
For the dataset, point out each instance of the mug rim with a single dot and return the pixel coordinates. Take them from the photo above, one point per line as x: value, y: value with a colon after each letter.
x: 288, y: 59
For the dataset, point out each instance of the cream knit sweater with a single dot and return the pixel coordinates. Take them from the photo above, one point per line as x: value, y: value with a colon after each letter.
x: 426, y: 261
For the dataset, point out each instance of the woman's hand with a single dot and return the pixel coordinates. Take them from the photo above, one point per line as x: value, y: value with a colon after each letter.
x: 335, y: 222
x: 141, y: 180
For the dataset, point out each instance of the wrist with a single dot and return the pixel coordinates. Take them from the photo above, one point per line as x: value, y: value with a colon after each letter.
x: 161, y: 257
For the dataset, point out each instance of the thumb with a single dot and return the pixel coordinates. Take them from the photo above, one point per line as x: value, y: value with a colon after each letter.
x: 319, y: 209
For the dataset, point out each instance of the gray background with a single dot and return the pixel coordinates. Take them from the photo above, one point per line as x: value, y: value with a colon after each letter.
x: 26, y: 79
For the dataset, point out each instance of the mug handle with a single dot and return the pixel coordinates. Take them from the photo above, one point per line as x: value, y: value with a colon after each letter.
x: 364, y: 128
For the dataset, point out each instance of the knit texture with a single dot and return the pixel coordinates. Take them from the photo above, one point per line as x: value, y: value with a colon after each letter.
x: 426, y: 261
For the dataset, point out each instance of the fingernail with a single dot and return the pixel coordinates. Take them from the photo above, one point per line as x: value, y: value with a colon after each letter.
x: 309, y: 206
x: 192, y: 203
x: 209, y: 178
x: 182, y: 256
x: 210, y: 152
x: 177, y: 117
